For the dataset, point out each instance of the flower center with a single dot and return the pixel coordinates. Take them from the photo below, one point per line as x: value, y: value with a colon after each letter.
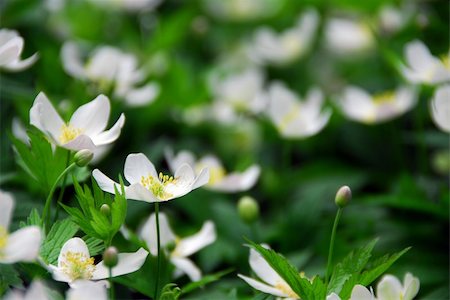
x: 289, y: 118
x: 69, y: 133
x: 3, y: 237
x: 384, y: 98
x: 158, y: 185
x: 291, y: 43
x: 77, y: 265
x: 286, y: 289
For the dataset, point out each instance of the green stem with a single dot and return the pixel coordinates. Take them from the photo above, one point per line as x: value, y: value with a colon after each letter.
x: 111, y: 286
x: 46, y: 212
x: 158, y: 245
x: 330, y: 252
x: 63, y: 187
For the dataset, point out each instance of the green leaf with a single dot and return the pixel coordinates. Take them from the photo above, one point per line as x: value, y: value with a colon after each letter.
x: 34, y: 219
x: 170, y: 292
x: 95, y: 246
x: 204, y: 281
x: 8, y: 277
x: 60, y: 232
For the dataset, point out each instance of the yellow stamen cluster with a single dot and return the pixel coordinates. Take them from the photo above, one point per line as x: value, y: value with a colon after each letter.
x: 3, y: 237
x: 158, y: 185
x: 385, y: 97
x: 77, y: 265
x: 283, y: 287
x: 69, y: 133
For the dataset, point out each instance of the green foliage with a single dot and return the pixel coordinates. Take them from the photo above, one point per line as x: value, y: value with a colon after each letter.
x: 95, y: 246
x: 60, y: 232
x: 170, y: 292
x: 91, y: 219
x: 33, y: 219
x: 204, y: 281
x: 8, y: 277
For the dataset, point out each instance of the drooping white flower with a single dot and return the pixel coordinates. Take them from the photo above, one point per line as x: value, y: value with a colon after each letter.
x: 147, y: 185
x: 110, y: 67
x: 23, y: 244
x: 294, y: 118
x: 11, y: 46
x: 390, y: 287
x: 269, y: 47
x: 219, y: 180
x: 270, y: 282
x: 86, y: 128
x: 440, y: 108
x: 36, y: 291
x: 75, y: 263
x: 423, y: 67
x: 85, y: 289
x: 179, y: 249
x: 359, y: 105
x: 346, y: 37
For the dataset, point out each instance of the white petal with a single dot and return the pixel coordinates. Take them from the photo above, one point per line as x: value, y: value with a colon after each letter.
x: 136, y: 191
x: 11, y: 50
x: 104, y: 182
x: 148, y: 232
x: 6, y: 209
x: 137, y: 165
x: 357, y: 104
x: 142, y: 96
x: 37, y: 291
x: 411, y: 286
x: 75, y: 245
x: 175, y: 161
x: 22, y: 245
x: 19, y: 65
x: 194, y: 243
x: 58, y: 274
x: 440, y: 108
x: 79, y: 143
x: 127, y: 263
x: 92, y: 117
x: 360, y: 292
x: 418, y: 56
x: 389, y: 288
x: 187, y: 267
x: 85, y: 289
x: 110, y: 135
x: 262, y: 286
x: 44, y: 116
x: 201, y: 179
x: 71, y: 60
x: 184, y: 180
x: 333, y: 296
x: 19, y: 131
x: 262, y: 269
x: 238, y: 182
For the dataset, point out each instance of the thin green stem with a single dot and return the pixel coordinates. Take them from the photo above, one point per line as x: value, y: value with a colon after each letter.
x: 63, y: 187
x: 330, y: 251
x: 46, y: 212
x: 158, y: 245
x: 111, y: 286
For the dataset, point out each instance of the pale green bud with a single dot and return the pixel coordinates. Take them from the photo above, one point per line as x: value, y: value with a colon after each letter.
x: 110, y: 257
x: 248, y: 209
x: 343, y: 196
x: 83, y: 157
x: 105, y: 209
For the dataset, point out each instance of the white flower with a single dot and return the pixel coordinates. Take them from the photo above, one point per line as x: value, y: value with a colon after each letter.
x: 11, y: 46
x: 85, y: 289
x: 36, y: 291
x: 219, y: 180
x: 346, y: 37
x: 359, y: 105
x: 268, y: 47
x: 238, y: 10
x: 22, y: 245
x: 147, y: 185
x: 440, y: 108
x: 359, y: 292
x: 86, y: 128
x: 75, y: 263
x: 423, y: 67
x: 391, y: 288
x: 110, y: 67
x: 392, y: 19
x: 271, y: 282
x: 178, y: 248
x: 294, y: 118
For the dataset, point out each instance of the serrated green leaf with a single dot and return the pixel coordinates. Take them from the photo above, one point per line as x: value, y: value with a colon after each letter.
x: 8, y: 277
x: 95, y: 246
x: 170, y: 292
x: 204, y: 281
x: 60, y: 232
x: 34, y: 219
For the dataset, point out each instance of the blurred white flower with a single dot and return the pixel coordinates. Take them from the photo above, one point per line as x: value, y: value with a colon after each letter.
x: 19, y: 131
x: 147, y: 185
x: 359, y: 292
x: 75, y: 263
x: 219, y: 180
x: 346, y: 37
x: 440, y: 108
x: 239, y: 10
x: 111, y: 68
x: 23, y: 244
x: 85, y: 289
x: 11, y: 46
x: 391, y: 288
x: 178, y: 248
x: 269, y: 47
x: 86, y: 128
x: 392, y: 19
x: 358, y: 105
x: 270, y: 282
x: 423, y: 67
x: 36, y: 291
x: 294, y: 118
x: 128, y: 5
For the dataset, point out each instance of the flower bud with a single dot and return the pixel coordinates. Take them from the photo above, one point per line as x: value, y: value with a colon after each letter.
x: 105, y: 209
x: 343, y: 196
x: 248, y: 209
x: 83, y: 157
x: 110, y: 257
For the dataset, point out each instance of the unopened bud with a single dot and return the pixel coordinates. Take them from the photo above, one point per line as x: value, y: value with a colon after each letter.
x: 248, y: 209
x: 343, y: 196
x: 110, y: 257
x: 83, y: 157
x: 105, y: 209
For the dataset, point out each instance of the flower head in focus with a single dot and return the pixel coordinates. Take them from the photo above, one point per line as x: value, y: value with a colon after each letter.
x: 219, y: 180
x: 147, y: 185
x: 22, y: 245
x: 75, y: 263
x: 178, y: 248
x: 359, y: 105
x: 440, y: 108
x: 11, y: 46
x: 86, y: 128
x: 111, y: 68
x: 294, y: 118
x: 423, y: 67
